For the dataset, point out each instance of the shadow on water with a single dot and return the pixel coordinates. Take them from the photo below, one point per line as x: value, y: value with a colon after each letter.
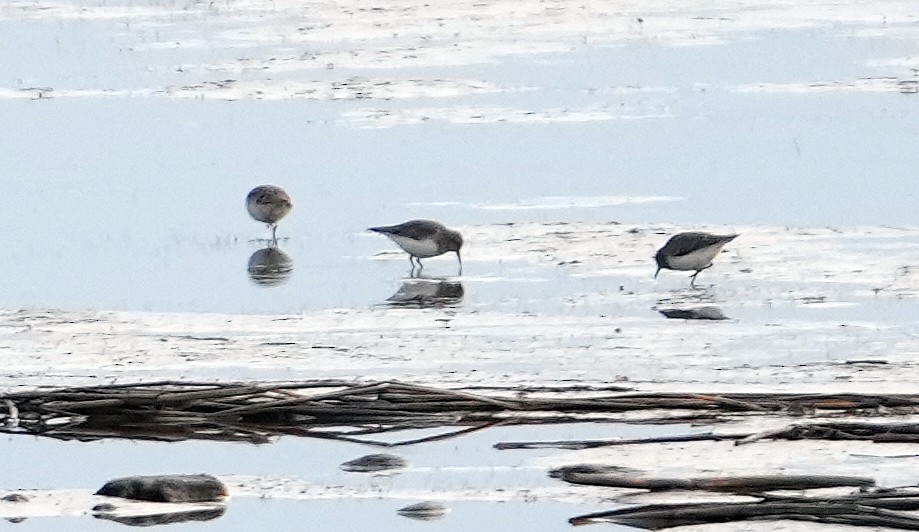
x: 270, y: 266
x: 427, y: 292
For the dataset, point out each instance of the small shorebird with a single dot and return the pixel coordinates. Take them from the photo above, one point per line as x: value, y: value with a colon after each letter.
x: 690, y: 251
x: 422, y: 239
x: 268, y: 204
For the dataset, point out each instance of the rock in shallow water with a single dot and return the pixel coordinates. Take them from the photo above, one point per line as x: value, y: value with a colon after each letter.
x: 424, y: 511
x: 166, y: 488
x: 374, y: 462
x: 695, y: 313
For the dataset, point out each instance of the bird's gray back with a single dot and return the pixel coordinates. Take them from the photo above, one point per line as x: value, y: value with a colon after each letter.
x: 685, y: 243
x: 264, y: 193
x: 414, y: 229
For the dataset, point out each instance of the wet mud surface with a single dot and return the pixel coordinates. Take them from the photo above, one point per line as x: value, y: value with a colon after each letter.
x: 566, y: 141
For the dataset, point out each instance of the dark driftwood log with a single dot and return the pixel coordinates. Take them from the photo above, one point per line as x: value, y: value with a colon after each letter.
x: 601, y: 476
x: 895, y: 438
x: 906, y: 499
x: 614, y: 476
x: 656, y: 517
x: 879, y: 432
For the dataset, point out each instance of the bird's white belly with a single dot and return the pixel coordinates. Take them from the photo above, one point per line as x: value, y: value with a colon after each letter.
x: 695, y: 260
x: 419, y: 248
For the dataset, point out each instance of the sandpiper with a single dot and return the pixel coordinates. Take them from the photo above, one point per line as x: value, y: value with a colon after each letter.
x: 268, y: 204
x: 690, y: 251
x: 422, y: 239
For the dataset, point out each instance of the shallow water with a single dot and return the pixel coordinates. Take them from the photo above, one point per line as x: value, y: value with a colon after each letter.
x: 293, y: 479
x: 132, y: 132
x: 135, y: 203
x: 467, y: 462
x: 362, y: 514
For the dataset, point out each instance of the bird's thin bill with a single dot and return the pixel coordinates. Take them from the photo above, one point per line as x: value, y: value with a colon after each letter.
x: 460, y: 260
x: 657, y: 272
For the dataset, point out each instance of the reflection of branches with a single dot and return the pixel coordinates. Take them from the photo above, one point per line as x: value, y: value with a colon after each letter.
x: 335, y: 409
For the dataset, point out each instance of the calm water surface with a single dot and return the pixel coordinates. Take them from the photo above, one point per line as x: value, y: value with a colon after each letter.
x: 467, y: 463
x: 137, y: 203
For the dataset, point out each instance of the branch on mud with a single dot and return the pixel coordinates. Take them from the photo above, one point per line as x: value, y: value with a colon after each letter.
x: 857, y: 511
x: 256, y: 412
x: 614, y: 477
x: 875, y: 432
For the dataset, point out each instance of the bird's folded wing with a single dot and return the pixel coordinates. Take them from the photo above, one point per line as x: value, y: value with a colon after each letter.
x: 685, y: 244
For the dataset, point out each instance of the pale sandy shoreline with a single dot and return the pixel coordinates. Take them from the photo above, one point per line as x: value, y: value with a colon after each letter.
x: 777, y: 282
x: 260, y: 50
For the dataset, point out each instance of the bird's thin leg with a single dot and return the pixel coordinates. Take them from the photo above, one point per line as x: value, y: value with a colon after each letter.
x: 420, y: 266
x: 274, y: 233
x: 411, y: 260
x: 692, y: 281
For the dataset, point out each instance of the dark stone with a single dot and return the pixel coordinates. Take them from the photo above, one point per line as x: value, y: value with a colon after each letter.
x: 694, y: 313
x: 166, y: 488
x: 424, y: 511
x: 104, y: 507
x: 14, y: 497
x: 374, y: 462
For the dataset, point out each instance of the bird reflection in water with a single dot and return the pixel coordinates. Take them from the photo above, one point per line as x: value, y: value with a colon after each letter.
x: 270, y: 267
x: 690, y: 304
x: 427, y: 292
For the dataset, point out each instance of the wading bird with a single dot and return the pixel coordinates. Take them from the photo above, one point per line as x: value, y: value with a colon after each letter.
x: 690, y: 251
x: 422, y: 239
x: 268, y: 204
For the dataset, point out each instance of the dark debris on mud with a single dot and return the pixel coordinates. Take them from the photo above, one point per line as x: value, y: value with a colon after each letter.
x: 331, y: 409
